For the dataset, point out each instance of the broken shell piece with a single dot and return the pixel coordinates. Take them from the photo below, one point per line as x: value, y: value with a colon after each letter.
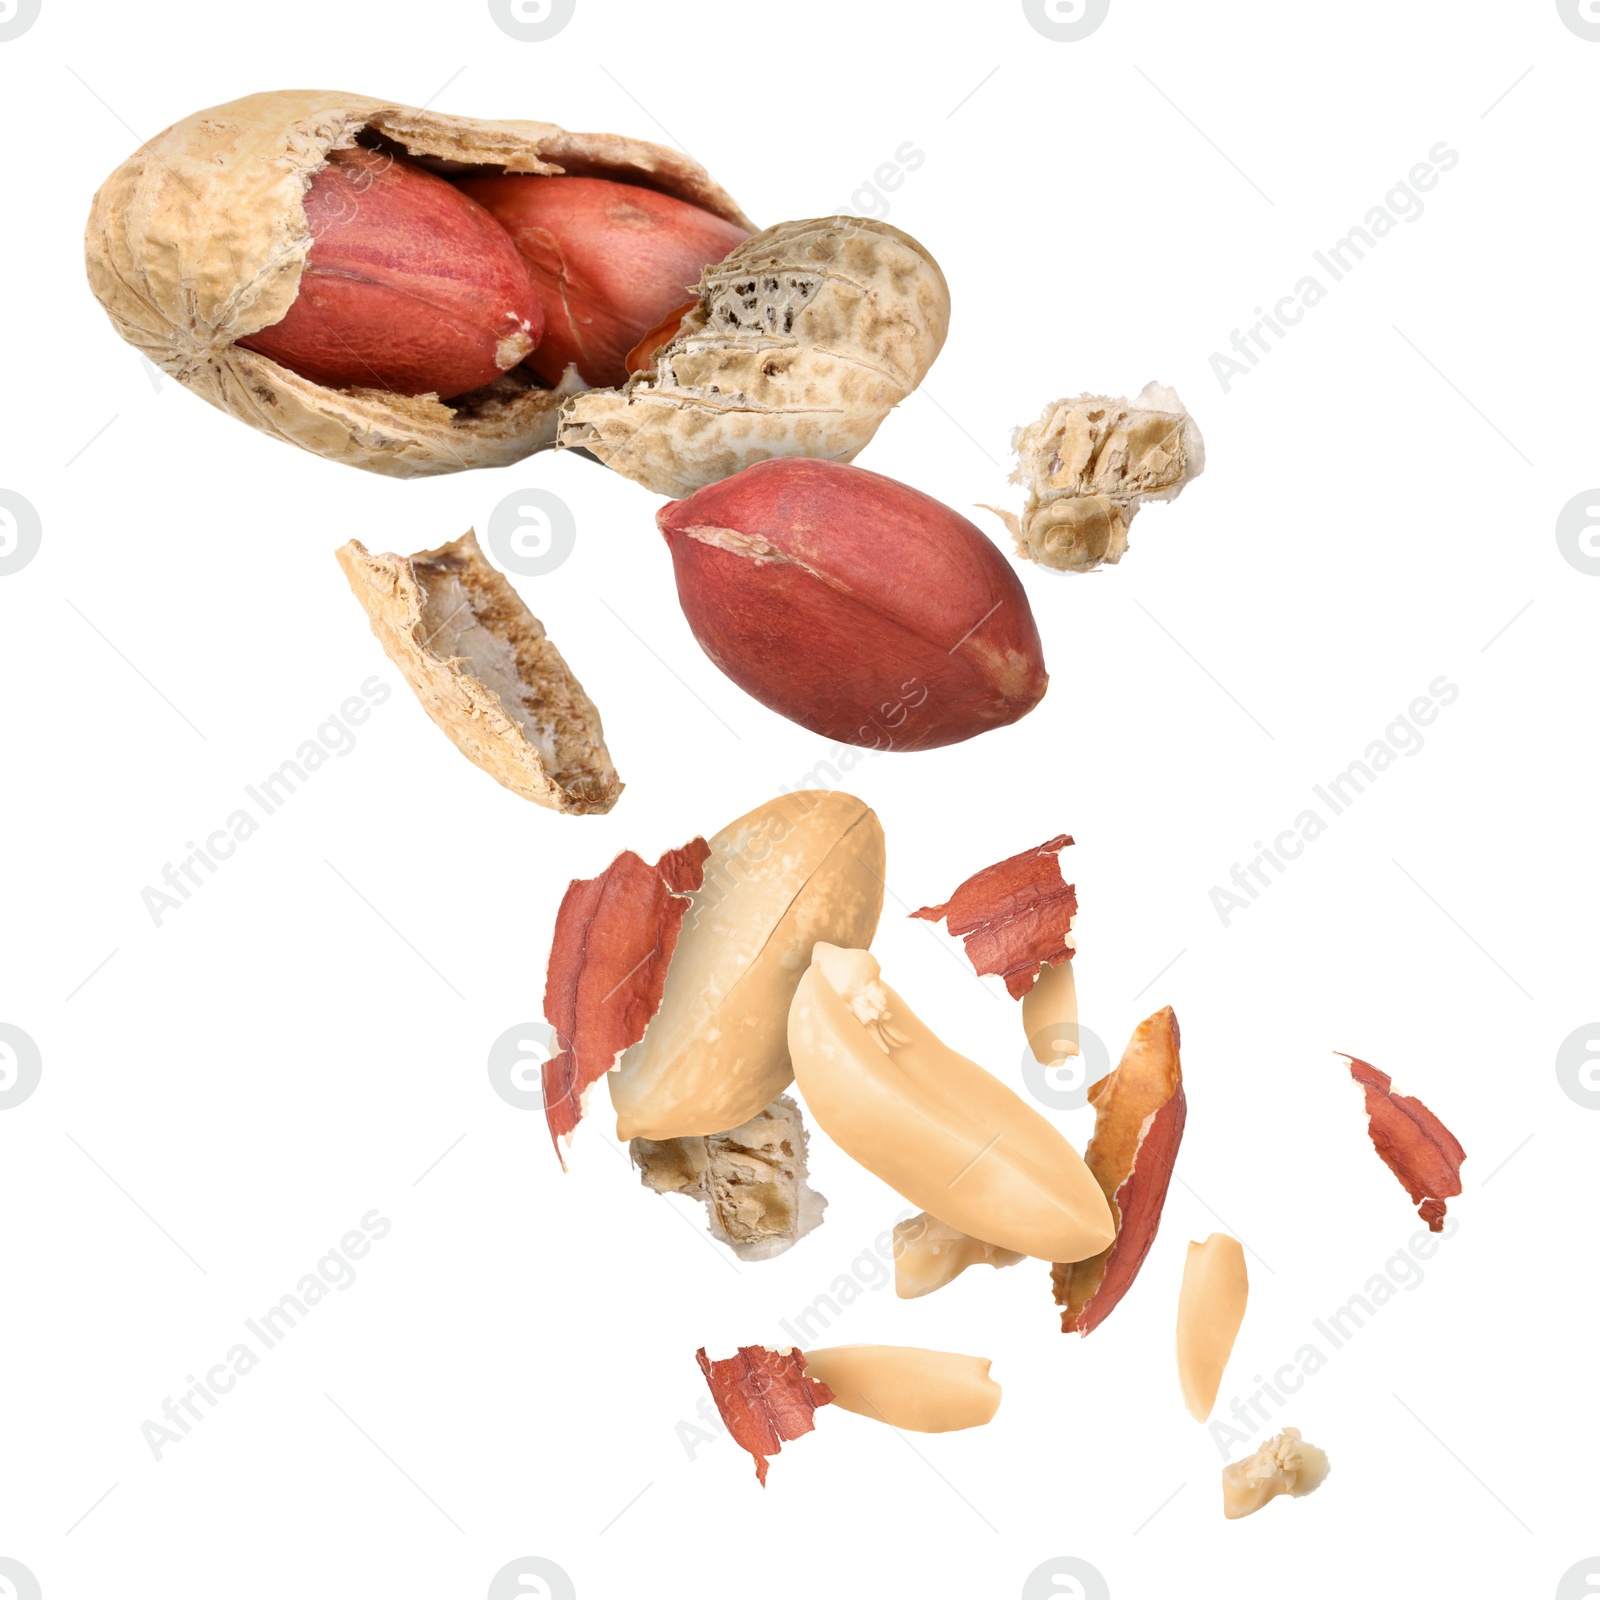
x: 479, y: 662
x: 950, y: 1137
x: 752, y: 1180
x: 800, y: 343
x: 1015, y: 916
x: 1139, y: 1114
x: 1414, y: 1144
x: 764, y: 1398
x: 1050, y: 1015
x: 929, y: 1253
x: 1088, y: 465
x: 1216, y: 1288
x: 922, y: 1391
x: 1284, y: 1465
x: 613, y: 940
x: 803, y: 867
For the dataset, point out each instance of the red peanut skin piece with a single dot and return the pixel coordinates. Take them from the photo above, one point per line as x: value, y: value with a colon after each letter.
x: 610, y: 261
x: 409, y: 285
x: 1140, y: 1111
x: 854, y: 605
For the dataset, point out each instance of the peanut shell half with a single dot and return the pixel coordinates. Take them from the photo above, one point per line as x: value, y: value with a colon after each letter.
x: 199, y: 239
x: 801, y: 343
x: 483, y: 669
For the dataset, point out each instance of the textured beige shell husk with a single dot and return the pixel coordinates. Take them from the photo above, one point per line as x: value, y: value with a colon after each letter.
x: 803, y: 340
x: 449, y: 621
x: 199, y: 238
x: 1089, y: 464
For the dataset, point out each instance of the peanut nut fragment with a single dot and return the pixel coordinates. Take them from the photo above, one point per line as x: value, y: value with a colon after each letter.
x: 1050, y: 1015
x: 1139, y: 1114
x: 1089, y: 464
x: 929, y: 1253
x: 1283, y: 1465
x: 933, y: 1125
x: 479, y: 662
x: 1211, y: 1306
x: 922, y: 1391
x: 803, y: 867
x: 752, y: 1180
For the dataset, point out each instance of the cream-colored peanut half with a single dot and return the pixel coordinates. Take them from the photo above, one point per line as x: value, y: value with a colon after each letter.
x: 933, y: 1125
x: 1050, y: 1015
x: 1210, y: 1308
x: 1283, y: 1465
x: 929, y: 1253
x: 922, y: 1391
x: 803, y: 867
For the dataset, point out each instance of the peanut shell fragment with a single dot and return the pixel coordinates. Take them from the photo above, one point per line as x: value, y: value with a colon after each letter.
x: 937, y: 1128
x: 801, y: 868
x: 1282, y: 1465
x: 752, y: 1180
x: 921, y: 1391
x: 1089, y: 464
x: 800, y: 344
x: 1140, y: 1112
x: 482, y: 667
x: 1211, y: 1306
x: 199, y: 239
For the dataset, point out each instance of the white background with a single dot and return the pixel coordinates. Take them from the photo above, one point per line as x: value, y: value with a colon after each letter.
x: 226, y: 1095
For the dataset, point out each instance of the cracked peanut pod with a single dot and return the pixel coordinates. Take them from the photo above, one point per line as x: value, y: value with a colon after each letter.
x: 937, y: 1128
x: 802, y: 868
x: 800, y: 343
x: 1089, y: 464
x: 483, y: 669
x: 199, y: 239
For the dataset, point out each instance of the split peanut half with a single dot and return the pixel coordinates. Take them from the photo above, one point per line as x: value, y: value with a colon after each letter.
x: 803, y: 867
x: 933, y: 1125
x: 922, y: 1391
x: 1210, y: 1309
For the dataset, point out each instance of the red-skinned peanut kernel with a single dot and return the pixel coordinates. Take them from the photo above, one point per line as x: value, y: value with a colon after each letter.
x: 860, y: 608
x: 610, y: 260
x: 409, y: 285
